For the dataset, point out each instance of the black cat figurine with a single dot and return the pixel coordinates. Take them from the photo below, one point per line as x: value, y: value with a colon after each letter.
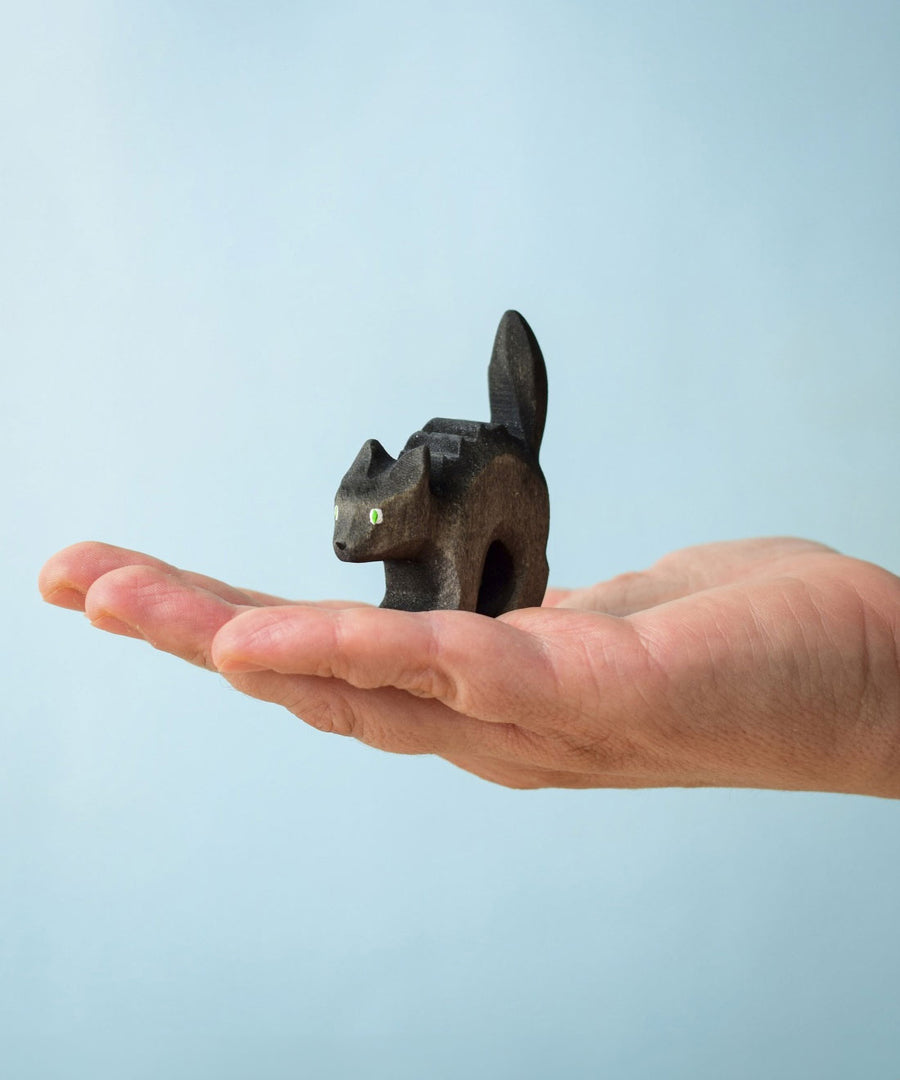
x: 461, y: 517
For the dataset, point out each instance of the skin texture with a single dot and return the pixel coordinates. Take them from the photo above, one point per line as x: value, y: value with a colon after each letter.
x: 770, y: 663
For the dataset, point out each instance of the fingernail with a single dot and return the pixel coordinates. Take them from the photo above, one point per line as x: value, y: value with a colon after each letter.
x: 65, y: 596
x: 114, y: 626
x: 233, y: 665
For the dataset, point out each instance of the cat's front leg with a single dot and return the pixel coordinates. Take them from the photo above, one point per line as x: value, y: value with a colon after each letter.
x: 425, y: 584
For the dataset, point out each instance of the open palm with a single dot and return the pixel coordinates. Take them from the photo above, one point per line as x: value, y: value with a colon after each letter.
x: 760, y: 663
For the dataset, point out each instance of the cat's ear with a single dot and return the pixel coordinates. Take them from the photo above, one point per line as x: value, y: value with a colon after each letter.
x: 372, y: 459
x: 413, y: 467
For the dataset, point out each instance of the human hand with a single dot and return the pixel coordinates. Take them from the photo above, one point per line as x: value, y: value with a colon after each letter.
x: 762, y: 663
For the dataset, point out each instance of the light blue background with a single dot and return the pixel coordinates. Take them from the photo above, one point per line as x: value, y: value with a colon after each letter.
x: 240, y: 238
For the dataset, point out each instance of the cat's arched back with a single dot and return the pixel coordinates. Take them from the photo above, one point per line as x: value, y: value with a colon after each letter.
x: 461, y: 516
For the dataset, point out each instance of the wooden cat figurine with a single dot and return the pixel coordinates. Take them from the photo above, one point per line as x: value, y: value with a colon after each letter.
x: 461, y: 517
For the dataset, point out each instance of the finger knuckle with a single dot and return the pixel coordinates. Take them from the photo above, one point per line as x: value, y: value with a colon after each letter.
x: 432, y: 679
x: 201, y: 658
x: 331, y: 715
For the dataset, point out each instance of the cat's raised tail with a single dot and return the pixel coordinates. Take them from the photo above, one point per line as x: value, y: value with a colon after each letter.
x: 517, y: 381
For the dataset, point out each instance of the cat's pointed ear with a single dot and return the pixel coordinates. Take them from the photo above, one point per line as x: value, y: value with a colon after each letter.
x: 413, y: 466
x: 372, y: 459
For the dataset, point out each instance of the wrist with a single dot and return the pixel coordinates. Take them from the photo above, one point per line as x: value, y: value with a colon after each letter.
x: 875, y: 737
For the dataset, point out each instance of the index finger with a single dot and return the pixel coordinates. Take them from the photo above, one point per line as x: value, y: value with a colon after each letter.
x: 475, y: 665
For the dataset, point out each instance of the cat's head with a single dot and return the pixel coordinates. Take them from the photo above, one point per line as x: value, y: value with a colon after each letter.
x: 382, y: 509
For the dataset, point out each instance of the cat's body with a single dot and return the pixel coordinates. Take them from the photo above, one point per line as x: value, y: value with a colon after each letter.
x: 461, y: 517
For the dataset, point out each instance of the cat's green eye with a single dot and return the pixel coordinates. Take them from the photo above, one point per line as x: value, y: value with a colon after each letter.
x: 335, y: 512
x: 376, y: 516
